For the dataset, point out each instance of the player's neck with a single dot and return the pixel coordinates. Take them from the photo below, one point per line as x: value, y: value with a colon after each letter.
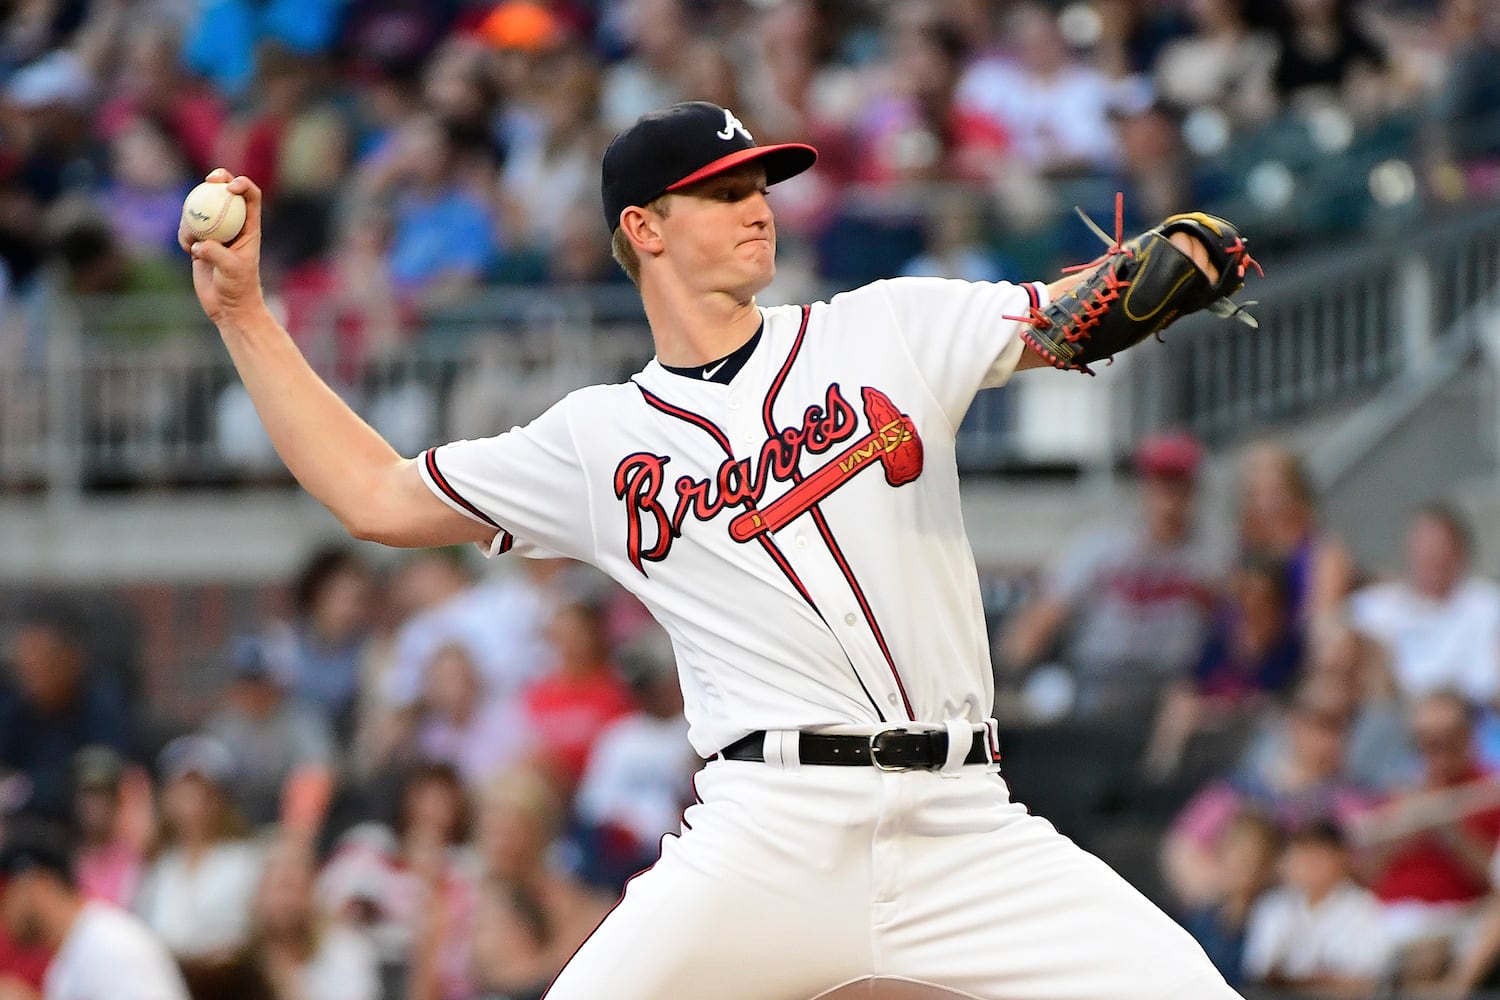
x: 697, y: 329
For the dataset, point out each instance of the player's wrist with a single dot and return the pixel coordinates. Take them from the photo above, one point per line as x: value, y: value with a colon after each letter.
x: 245, y: 319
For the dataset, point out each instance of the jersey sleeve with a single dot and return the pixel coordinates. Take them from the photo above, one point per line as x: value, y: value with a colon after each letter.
x: 528, y: 484
x: 957, y: 333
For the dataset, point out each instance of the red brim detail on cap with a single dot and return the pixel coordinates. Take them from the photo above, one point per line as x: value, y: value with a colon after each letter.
x: 782, y: 160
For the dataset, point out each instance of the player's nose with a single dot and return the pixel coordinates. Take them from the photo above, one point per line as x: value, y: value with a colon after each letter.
x: 758, y: 210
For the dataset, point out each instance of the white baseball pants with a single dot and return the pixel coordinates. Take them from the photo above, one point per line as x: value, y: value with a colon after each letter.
x: 800, y: 882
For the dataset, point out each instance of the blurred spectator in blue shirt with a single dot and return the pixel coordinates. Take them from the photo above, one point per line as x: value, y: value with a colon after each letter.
x: 444, y: 236
x: 1247, y: 852
x: 330, y: 632
x: 1252, y: 654
x: 51, y: 707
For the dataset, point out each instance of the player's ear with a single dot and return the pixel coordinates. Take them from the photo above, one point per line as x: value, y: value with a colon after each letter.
x: 643, y: 228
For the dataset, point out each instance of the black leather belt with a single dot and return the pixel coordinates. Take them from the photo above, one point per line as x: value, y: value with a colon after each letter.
x: 889, y: 750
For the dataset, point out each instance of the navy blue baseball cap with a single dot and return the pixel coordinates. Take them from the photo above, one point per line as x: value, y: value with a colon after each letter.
x: 669, y: 149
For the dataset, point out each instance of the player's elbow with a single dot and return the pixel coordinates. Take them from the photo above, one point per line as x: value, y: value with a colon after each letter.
x: 371, y: 520
x: 363, y: 528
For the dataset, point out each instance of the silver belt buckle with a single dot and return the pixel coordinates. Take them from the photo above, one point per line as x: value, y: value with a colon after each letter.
x: 875, y: 752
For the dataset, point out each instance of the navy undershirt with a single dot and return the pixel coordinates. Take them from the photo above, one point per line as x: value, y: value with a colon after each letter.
x: 723, y: 369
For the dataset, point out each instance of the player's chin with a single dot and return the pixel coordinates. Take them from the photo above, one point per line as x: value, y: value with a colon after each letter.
x: 757, y: 280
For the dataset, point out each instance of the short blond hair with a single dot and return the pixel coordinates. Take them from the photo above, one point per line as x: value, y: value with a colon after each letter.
x: 623, y: 250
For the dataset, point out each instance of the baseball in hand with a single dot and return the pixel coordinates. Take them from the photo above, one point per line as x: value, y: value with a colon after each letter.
x: 212, y: 212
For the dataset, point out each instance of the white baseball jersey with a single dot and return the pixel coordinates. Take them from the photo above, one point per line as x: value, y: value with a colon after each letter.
x: 864, y: 610
x: 860, y: 610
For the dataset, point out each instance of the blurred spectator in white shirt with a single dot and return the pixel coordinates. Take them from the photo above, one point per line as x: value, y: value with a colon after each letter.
x: 1054, y: 108
x: 639, y: 775
x: 305, y: 956
x: 269, y: 736
x: 101, y: 952
x: 410, y: 886
x: 1130, y: 605
x: 561, y: 167
x: 501, y: 622
x: 1441, y: 623
x: 196, y: 894
x: 1320, y: 932
x: 462, y: 724
x: 1223, y: 65
x: 658, y: 32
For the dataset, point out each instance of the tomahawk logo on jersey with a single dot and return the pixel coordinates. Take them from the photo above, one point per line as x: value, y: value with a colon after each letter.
x: 817, y: 489
x: 742, y: 482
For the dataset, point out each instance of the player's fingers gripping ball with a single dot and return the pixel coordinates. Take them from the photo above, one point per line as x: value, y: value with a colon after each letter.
x: 212, y: 212
x: 1141, y: 286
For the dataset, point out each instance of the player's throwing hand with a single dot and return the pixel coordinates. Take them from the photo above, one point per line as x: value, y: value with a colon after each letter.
x: 227, y: 278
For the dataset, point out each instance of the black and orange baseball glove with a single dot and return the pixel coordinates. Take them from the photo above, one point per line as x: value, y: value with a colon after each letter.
x: 1137, y: 288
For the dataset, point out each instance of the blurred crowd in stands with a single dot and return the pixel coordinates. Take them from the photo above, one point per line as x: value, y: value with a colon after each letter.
x: 423, y: 782
x: 1307, y: 746
x: 418, y: 785
x: 413, y: 150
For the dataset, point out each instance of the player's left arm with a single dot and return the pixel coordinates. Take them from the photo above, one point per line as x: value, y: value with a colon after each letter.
x: 1191, y: 246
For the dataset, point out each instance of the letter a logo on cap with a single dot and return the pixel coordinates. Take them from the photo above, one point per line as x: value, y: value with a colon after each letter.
x: 731, y: 126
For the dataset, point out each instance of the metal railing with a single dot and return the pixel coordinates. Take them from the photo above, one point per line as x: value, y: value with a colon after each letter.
x: 95, y: 414
x: 1334, y: 329
x: 139, y: 391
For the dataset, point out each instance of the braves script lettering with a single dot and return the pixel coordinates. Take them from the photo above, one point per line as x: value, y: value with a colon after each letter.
x: 738, y: 482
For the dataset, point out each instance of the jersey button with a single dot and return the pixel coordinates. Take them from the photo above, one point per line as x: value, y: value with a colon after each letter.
x: 801, y: 541
x: 849, y: 619
x: 734, y: 404
x: 891, y: 698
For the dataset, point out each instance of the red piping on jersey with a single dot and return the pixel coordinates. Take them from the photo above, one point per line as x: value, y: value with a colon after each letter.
x: 1031, y: 293
x: 506, y: 538
x: 708, y: 426
x: 822, y: 523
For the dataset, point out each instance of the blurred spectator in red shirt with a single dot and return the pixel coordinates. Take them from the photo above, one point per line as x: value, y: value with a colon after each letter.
x: 571, y: 705
x: 918, y: 133
x: 22, y: 966
x: 150, y: 83
x: 1430, y: 847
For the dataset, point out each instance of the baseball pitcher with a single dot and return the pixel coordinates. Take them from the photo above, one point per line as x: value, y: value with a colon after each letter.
x: 778, y: 487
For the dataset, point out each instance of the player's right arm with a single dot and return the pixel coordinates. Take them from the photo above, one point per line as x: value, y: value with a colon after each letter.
x: 376, y: 494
